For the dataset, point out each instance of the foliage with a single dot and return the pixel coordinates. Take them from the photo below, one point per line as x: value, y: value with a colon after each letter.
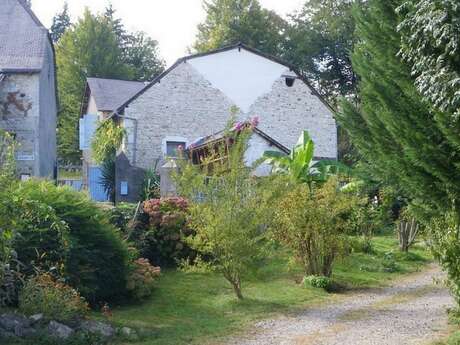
x: 404, y: 141
x: 141, y: 279
x: 317, y: 281
x: 313, y: 226
x: 54, y: 299
x: 40, y: 237
x: 108, y: 178
x: 389, y: 262
x: 121, y: 215
x: 392, y: 117
x: 150, y: 185
x: 228, y: 209
x: 107, y: 139
x: 96, y: 264
x: 61, y: 22
x: 7, y: 159
x: 319, y: 42
x: 430, y: 32
x: 299, y: 163
x: 229, y: 22
x: 445, y: 235
x: 139, y: 51
x: 164, y: 239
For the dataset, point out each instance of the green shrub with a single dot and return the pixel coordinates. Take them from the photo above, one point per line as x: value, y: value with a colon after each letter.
x: 389, y: 263
x: 317, y: 282
x: 55, y: 300
x: 142, y: 278
x: 313, y: 225
x: 164, y: 240
x: 361, y: 245
x: 97, y: 259
x: 41, y: 238
x: 121, y: 215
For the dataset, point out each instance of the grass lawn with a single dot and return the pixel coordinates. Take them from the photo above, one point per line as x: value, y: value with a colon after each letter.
x: 194, y: 308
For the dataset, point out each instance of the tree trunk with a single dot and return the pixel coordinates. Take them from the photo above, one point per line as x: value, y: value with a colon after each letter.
x: 407, y: 232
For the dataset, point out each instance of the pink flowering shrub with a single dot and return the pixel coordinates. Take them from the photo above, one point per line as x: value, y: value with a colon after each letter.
x: 162, y: 241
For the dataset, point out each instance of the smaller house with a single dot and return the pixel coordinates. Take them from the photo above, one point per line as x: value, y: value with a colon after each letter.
x: 101, y: 98
x: 28, y: 95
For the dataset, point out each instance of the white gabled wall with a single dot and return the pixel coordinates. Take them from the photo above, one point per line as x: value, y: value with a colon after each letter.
x: 241, y: 75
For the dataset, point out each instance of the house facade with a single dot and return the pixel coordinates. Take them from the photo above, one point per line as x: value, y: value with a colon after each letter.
x: 195, y: 97
x: 28, y: 95
x: 102, y: 98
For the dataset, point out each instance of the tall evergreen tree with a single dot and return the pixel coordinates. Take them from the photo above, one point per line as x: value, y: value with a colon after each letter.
x: 401, y: 137
x: 89, y: 48
x: 397, y: 133
x: 61, y: 22
x: 231, y: 21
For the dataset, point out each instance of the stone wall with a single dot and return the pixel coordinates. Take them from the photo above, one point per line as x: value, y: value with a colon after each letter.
x: 19, y: 114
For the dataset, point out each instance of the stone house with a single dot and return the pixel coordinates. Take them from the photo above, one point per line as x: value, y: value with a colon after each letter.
x: 28, y: 95
x: 194, y: 97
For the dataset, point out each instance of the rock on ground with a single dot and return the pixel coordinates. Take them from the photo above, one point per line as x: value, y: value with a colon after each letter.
x: 411, y: 311
x: 59, y: 330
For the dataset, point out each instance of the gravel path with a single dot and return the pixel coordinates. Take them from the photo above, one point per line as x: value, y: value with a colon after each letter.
x: 411, y: 311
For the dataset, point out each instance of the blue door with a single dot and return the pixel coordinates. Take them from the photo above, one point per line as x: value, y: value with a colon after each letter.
x: 96, y: 189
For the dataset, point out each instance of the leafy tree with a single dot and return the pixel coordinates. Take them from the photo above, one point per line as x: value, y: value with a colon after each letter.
x: 139, y: 51
x: 61, y: 22
x: 403, y: 140
x: 229, y: 21
x: 319, y: 43
x: 227, y: 213
x: 88, y: 48
x: 431, y: 44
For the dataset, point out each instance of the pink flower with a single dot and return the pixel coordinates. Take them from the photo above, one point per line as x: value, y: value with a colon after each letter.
x: 238, y: 126
x: 254, y: 121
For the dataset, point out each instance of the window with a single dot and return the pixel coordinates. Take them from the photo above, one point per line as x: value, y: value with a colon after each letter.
x: 170, y: 145
x: 173, y: 146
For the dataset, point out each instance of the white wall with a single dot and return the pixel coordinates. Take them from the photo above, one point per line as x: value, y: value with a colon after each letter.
x: 241, y: 75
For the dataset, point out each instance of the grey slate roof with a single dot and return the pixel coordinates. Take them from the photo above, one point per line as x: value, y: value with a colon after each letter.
x: 23, y: 39
x: 110, y: 94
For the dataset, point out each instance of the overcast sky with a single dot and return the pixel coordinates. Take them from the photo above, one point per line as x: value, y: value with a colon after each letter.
x: 171, y: 22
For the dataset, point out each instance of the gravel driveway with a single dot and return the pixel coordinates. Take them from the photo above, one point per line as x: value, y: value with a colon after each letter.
x: 411, y: 311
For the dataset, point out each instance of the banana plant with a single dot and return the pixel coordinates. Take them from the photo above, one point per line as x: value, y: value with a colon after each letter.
x: 300, y: 164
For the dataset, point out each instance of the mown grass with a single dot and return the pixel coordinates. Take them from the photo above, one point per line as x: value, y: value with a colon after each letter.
x: 200, y: 308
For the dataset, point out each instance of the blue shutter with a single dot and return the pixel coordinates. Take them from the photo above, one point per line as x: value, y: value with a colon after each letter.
x: 88, y: 126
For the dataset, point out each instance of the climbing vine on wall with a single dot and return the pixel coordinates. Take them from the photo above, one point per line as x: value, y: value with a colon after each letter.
x: 107, y: 139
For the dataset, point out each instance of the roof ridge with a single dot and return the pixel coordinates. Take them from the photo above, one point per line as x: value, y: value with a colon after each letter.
x: 116, y: 79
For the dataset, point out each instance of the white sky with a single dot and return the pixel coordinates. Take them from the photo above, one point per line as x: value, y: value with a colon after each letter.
x: 171, y: 22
